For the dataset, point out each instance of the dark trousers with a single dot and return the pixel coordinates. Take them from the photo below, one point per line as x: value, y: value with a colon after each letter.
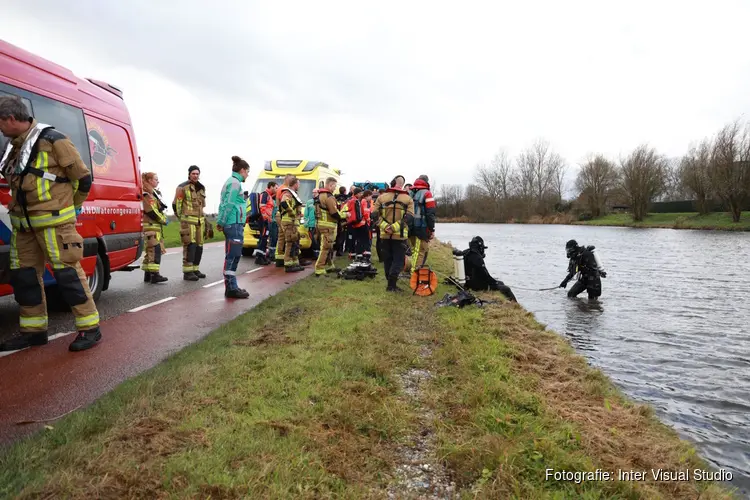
x: 361, y: 237
x: 340, y: 239
x: 394, y: 253
x: 592, y: 284
x: 263, y: 243
x: 273, y: 235
x: 234, y: 237
x: 378, y: 245
x: 314, y: 241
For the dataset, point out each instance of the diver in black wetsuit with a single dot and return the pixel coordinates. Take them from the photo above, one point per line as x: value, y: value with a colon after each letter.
x: 583, y: 263
x: 477, y: 276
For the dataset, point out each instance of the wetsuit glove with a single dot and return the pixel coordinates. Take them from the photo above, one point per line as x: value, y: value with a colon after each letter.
x: 564, y: 284
x: 78, y: 211
x: 603, y: 274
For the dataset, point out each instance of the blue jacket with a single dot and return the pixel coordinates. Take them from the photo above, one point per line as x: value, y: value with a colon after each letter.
x: 233, y: 205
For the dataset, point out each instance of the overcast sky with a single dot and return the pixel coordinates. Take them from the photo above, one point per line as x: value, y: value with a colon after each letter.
x: 399, y: 87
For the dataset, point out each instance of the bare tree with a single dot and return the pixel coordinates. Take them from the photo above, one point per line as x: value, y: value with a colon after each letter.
x: 694, y: 174
x: 559, y: 168
x: 597, y: 178
x: 452, y: 197
x: 524, y: 178
x: 538, y: 170
x: 730, y: 167
x: 502, y: 167
x: 673, y: 187
x: 488, y: 179
x: 643, y: 176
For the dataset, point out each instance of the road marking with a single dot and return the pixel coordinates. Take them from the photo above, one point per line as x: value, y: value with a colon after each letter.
x: 141, y: 308
x: 253, y: 270
x: 58, y: 335
x: 50, y: 338
x: 213, y: 284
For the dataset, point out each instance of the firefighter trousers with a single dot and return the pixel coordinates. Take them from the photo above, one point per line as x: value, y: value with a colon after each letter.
x: 192, y: 246
x: 152, y: 258
x: 280, y: 241
x: 419, y: 251
x: 325, y: 256
x: 62, y: 247
x: 291, y: 243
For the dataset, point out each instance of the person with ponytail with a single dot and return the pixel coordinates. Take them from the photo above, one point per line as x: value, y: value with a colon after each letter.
x: 231, y: 220
x: 154, y: 221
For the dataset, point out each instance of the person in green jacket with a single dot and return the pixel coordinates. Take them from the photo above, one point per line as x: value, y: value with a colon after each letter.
x: 231, y: 220
x: 310, y: 222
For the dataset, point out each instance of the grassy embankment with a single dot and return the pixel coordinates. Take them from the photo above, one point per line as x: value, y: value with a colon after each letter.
x: 302, y: 397
x: 714, y: 221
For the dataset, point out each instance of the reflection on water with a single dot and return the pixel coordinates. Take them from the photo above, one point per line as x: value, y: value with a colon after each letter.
x: 582, y: 322
x: 670, y: 328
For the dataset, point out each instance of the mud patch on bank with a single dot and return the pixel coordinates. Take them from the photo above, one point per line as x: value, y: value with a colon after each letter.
x: 418, y: 473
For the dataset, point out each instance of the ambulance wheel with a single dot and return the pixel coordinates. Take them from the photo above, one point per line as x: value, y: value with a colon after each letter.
x: 55, y: 301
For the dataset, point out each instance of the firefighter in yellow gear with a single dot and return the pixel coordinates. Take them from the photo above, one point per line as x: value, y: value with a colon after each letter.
x: 49, y: 183
x: 290, y: 209
x: 189, y: 202
x: 327, y: 218
x: 393, y: 214
x: 281, y: 238
x: 154, y: 221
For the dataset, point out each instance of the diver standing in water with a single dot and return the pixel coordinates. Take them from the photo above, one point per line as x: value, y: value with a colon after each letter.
x: 584, y: 262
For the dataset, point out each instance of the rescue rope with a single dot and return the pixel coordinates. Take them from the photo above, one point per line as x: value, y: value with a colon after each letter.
x: 537, y: 289
x: 454, y: 281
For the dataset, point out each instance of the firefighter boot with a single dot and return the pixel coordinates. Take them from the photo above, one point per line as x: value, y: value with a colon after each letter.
x: 24, y: 340
x: 198, y: 258
x: 191, y: 276
x: 158, y: 278
x: 236, y: 293
x: 294, y: 269
x: 146, y: 276
x: 86, y: 340
x: 392, y: 280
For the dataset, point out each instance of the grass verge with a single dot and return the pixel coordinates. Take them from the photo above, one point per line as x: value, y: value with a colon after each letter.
x: 300, y: 398
x: 716, y: 221
x: 172, y: 234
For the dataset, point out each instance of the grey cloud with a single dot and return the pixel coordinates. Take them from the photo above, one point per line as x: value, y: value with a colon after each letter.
x: 225, y: 52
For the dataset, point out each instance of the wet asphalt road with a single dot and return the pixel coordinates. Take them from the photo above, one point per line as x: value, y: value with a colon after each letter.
x: 127, y: 290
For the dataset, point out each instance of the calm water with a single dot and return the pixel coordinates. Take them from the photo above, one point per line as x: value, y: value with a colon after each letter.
x: 670, y: 329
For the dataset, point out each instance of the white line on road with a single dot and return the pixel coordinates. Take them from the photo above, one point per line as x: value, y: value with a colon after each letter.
x: 50, y: 338
x: 141, y: 308
x: 213, y: 284
x: 253, y: 270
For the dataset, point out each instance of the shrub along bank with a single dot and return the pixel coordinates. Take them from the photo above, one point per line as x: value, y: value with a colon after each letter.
x: 312, y: 394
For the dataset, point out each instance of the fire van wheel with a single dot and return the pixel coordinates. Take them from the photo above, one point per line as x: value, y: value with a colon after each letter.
x: 55, y: 301
x: 96, y: 280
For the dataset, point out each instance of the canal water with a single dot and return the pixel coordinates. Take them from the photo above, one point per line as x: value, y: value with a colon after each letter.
x: 671, y: 327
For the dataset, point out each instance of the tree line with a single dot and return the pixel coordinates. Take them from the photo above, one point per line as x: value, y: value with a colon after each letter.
x: 532, y: 184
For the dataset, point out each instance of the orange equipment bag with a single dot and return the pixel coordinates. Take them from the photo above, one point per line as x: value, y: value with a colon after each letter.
x: 424, y: 281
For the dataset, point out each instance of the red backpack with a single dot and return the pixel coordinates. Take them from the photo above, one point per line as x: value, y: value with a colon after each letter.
x: 353, y: 216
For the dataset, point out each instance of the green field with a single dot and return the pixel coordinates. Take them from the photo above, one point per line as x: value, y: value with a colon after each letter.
x: 717, y: 220
x: 172, y: 234
x: 308, y: 396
